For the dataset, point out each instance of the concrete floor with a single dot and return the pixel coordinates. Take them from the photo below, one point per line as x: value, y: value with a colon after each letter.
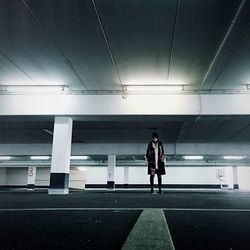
x: 97, y: 219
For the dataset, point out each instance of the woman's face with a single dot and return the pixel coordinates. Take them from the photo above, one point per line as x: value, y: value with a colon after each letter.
x: 155, y: 139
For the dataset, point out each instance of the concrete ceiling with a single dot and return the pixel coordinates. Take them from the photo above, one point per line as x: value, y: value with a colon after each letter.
x: 126, y: 129
x: 101, y: 45
x: 97, y: 45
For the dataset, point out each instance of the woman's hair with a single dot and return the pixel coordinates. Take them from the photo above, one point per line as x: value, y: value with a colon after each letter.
x: 155, y: 135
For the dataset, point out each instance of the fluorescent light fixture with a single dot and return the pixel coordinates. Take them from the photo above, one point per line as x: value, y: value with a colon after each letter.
x: 44, y: 157
x: 233, y: 157
x: 34, y: 89
x: 81, y: 169
x: 154, y: 88
x: 79, y: 157
x: 193, y: 157
x: 5, y: 158
x: 46, y: 82
x: 154, y: 83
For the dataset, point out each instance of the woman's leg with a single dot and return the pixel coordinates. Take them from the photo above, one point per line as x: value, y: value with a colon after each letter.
x: 152, y: 183
x: 159, y: 182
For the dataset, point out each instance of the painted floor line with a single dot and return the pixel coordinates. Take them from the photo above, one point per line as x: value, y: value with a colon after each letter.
x: 150, y: 232
x: 208, y: 209
x: 126, y: 209
x: 67, y: 209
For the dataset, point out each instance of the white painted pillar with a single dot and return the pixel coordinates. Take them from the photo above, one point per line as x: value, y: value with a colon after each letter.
x: 61, y: 150
x: 126, y: 177
x: 235, y: 178
x: 31, y: 178
x: 111, y: 172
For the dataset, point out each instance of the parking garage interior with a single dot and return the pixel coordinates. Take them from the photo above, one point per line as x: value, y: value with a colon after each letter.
x: 84, y: 84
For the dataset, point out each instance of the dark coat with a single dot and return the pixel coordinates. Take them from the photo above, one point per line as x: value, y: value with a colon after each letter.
x: 150, y: 155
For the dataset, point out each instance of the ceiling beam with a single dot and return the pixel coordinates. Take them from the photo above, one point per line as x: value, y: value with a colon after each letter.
x: 219, y: 149
x: 78, y: 105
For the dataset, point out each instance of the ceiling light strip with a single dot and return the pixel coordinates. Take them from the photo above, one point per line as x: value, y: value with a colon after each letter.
x: 43, y: 157
x: 233, y: 157
x: 5, y: 158
x: 79, y: 157
x: 34, y: 89
x: 193, y: 157
x: 154, y: 88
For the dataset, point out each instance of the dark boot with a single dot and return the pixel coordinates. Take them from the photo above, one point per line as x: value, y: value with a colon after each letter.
x: 159, y: 183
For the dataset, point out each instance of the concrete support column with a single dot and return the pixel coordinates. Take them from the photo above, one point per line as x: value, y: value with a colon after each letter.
x: 111, y: 172
x: 235, y: 178
x: 61, y: 150
x: 126, y: 176
x: 31, y: 178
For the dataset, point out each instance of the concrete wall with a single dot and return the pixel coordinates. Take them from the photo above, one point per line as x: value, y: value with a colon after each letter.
x: 42, y: 176
x: 137, y: 175
x: 77, y: 178
x: 244, y: 177
x: 16, y: 176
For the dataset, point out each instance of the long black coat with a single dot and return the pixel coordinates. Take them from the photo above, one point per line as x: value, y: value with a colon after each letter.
x: 150, y: 155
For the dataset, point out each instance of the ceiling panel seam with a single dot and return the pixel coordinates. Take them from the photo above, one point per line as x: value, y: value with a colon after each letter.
x: 236, y: 133
x: 67, y: 60
x: 231, y: 54
x: 186, y: 128
x: 106, y: 41
x: 173, y: 38
x: 12, y: 62
x: 138, y: 130
x: 222, y: 43
x: 214, y: 131
x: 181, y: 132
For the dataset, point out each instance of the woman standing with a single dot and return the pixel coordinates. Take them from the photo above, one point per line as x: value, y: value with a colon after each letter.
x: 155, y: 161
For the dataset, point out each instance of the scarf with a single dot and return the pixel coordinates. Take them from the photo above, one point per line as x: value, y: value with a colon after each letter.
x: 155, y: 146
